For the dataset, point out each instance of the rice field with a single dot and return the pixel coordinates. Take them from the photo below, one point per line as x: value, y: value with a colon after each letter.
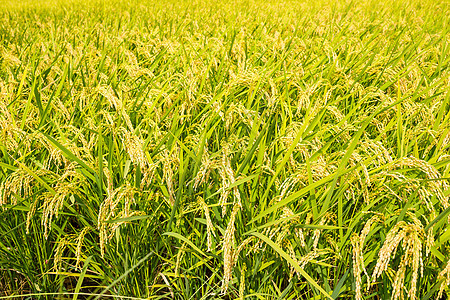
x: 239, y: 149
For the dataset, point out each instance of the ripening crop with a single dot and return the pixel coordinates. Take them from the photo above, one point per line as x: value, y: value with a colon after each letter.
x: 239, y: 149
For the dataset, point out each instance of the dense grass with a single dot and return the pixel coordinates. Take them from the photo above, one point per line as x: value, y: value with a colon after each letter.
x: 246, y: 149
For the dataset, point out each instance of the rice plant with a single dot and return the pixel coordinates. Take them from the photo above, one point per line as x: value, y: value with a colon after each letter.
x: 224, y: 150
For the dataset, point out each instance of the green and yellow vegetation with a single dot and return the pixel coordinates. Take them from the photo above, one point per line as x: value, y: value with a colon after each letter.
x: 224, y: 150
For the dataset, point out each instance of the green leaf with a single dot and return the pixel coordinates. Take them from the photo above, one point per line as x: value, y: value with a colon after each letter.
x: 187, y: 241
x: 293, y: 263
